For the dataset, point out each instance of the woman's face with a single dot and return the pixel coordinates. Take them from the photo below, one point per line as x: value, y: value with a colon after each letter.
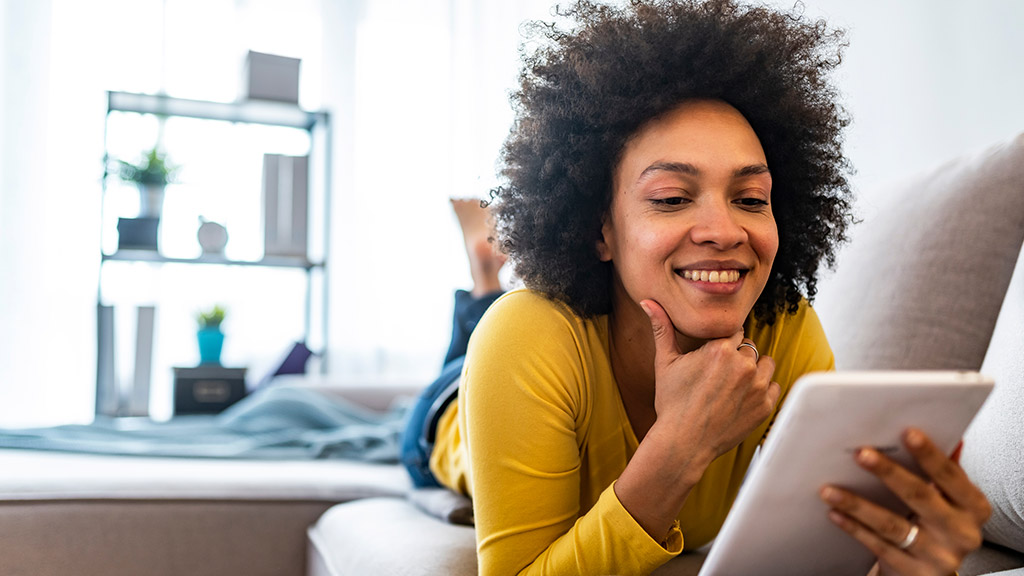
x: 690, y: 224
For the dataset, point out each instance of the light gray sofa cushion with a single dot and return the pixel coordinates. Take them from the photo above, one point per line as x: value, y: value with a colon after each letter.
x: 993, y: 453
x: 388, y: 536
x: 921, y: 284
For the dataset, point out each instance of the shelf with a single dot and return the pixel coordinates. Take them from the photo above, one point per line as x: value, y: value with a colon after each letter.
x: 267, y: 261
x: 116, y: 389
x: 249, y: 111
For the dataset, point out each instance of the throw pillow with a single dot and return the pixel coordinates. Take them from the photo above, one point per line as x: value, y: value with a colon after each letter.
x: 921, y: 283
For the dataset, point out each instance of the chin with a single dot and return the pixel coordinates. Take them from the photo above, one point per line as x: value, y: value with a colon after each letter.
x: 713, y: 330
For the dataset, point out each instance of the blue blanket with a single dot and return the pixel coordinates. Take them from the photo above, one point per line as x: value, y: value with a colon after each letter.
x: 276, y: 423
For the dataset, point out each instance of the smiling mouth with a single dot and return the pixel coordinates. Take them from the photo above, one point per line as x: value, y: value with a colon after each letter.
x: 712, y: 276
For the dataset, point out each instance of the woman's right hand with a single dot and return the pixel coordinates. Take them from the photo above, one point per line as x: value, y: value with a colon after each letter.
x: 717, y: 393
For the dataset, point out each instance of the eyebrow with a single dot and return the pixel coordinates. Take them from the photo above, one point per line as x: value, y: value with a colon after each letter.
x: 691, y: 170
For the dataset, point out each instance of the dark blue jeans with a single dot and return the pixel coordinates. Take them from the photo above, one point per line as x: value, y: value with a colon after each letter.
x: 421, y: 426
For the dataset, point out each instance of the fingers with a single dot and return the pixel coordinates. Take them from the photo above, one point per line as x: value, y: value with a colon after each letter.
x: 890, y: 555
x: 665, y: 345
x: 747, y: 347
x: 947, y: 475
x: 950, y: 500
x: 774, y: 389
x: 883, y: 532
x: 922, y: 497
x: 949, y: 511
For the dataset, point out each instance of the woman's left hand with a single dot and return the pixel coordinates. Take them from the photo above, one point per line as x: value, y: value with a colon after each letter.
x: 948, y: 508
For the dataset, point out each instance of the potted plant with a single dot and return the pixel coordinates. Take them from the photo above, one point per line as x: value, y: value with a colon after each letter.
x: 210, y: 336
x: 151, y: 174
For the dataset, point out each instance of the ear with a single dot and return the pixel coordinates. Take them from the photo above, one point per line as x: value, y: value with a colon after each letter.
x: 604, y: 250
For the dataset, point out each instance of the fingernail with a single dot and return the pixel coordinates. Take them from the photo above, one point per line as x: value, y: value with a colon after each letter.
x: 647, y: 310
x: 830, y: 495
x: 867, y: 457
x: 836, y: 518
x: 914, y: 438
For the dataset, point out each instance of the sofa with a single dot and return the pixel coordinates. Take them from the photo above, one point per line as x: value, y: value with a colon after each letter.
x: 932, y: 279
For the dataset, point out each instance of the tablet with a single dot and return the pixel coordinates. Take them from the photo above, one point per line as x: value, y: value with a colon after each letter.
x: 778, y: 524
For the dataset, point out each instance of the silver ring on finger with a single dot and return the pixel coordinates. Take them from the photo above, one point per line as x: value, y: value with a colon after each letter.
x: 909, y: 539
x: 752, y: 347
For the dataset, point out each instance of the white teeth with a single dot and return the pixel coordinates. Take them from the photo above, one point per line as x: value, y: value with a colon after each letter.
x: 713, y: 276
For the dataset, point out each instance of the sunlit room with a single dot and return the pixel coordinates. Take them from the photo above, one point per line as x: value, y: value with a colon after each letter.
x: 216, y: 211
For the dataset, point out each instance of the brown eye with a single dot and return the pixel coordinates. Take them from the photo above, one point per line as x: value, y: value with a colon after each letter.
x: 671, y: 201
x: 752, y: 202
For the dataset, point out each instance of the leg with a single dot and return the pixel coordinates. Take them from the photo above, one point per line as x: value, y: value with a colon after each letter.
x: 484, y: 263
x: 485, y: 260
x: 418, y: 435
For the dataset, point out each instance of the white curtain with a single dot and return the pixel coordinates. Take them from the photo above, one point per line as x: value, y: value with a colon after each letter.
x: 48, y: 219
x: 421, y: 119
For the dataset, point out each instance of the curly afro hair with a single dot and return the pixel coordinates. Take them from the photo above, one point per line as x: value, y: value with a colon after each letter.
x: 584, y: 91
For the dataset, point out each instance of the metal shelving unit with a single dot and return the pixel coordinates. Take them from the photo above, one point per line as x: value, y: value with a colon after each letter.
x: 110, y: 398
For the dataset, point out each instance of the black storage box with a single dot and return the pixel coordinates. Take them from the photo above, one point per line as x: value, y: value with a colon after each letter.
x: 137, y: 233
x: 207, y: 389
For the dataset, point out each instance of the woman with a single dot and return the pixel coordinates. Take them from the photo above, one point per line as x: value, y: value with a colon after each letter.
x: 675, y: 179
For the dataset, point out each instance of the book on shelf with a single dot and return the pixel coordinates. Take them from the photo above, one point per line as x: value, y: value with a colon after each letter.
x: 138, y: 403
x: 107, y: 393
x: 285, y: 197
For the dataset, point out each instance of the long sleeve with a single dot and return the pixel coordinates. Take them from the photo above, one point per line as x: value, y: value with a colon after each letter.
x: 527, y: 412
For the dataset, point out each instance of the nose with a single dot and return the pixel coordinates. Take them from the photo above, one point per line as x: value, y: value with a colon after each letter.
x: 717, y: 225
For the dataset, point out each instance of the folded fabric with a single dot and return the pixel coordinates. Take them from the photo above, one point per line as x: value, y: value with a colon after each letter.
x: 276, y: 423
x: 444, y: 504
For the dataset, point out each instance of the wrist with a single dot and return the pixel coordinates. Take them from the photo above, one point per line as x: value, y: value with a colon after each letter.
x: 688, y: 458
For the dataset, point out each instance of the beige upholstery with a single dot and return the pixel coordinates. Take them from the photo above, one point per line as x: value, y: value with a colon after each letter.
x: 155, y: 537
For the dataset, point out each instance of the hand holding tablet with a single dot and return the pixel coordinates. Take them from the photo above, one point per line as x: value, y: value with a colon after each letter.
x: 779, y: 524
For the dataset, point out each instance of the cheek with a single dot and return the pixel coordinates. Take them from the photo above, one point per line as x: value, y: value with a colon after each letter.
x: 656, y: 239
x: 766, y: 242
x: 638, y: 240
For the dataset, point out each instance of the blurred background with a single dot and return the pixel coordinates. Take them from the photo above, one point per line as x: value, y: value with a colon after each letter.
x: 417, y: 96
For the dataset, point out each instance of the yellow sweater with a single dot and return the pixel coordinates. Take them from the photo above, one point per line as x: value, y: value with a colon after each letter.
x: 539, y: 435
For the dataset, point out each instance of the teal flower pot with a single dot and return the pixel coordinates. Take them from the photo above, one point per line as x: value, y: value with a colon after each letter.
x: 211, y: 341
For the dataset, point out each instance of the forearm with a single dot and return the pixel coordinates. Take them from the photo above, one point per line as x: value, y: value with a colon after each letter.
x: 658, y: 479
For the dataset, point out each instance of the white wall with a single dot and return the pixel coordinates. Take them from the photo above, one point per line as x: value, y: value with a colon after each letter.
x: 926, y: 80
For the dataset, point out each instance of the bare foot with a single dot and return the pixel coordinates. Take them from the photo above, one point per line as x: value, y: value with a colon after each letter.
x: 485, y: 260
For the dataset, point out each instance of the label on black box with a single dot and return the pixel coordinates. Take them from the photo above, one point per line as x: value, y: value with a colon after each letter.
x: 207, y: 389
